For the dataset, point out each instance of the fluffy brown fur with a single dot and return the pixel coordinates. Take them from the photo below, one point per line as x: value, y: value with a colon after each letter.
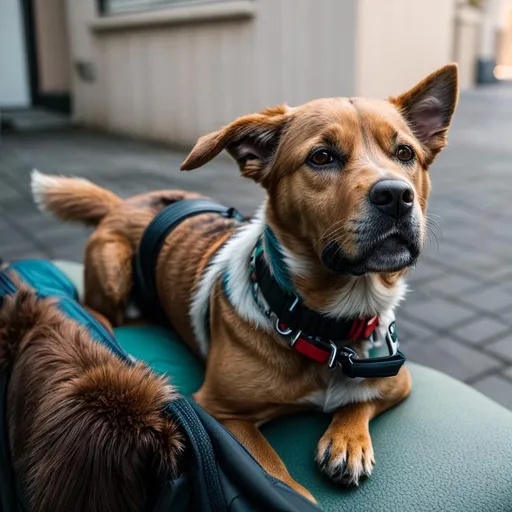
x: 252, y: 374
x: 87, y: 431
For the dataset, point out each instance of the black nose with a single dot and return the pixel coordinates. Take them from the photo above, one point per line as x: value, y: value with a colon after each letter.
x: 392, y: 197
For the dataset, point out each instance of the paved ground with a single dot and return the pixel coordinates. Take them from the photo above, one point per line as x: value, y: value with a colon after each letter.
x: 458, y: 316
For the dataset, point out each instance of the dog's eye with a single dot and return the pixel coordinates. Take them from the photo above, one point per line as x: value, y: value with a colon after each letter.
x: 404, y: 153
x: 321, y: 158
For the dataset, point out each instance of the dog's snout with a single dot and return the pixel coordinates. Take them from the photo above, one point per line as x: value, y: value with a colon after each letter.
x: 392, y: 197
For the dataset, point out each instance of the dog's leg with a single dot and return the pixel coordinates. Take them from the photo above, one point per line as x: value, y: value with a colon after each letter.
x: 108, y: 274
x: 249, y: 435
x: 345, y: 451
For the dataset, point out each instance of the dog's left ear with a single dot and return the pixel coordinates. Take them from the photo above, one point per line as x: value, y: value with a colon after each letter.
x: 251, y: 140
x: 428, y: 107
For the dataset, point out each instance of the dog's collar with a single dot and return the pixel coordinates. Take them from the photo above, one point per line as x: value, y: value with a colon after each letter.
x: 315, y: 335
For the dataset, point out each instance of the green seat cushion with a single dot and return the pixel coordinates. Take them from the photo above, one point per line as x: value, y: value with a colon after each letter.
x: 165, y: 353
x: 446, y: 448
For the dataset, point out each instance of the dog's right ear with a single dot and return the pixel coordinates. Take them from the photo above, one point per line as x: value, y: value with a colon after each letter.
x: 251, y: 140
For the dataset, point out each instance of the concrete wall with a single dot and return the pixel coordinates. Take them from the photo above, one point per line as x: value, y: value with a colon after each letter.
x: 14, y: 85
x: 401, y: 41
x: 174, y: 74
x: 52, y: 45
x: 504, y: 54
x: 173, y: 82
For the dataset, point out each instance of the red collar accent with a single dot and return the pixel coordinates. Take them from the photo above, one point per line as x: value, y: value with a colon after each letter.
x: 307, y: 348
x: 362, y: 329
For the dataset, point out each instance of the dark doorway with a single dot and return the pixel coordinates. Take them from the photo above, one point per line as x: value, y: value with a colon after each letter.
x: 60, y: 102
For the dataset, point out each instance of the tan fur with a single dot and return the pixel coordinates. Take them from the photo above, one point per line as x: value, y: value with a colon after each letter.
x: 79, y: 199
x: 253, y: 376
x: 87, y: 431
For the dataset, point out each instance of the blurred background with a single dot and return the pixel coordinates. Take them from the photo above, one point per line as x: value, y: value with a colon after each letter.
x: 118, y: 90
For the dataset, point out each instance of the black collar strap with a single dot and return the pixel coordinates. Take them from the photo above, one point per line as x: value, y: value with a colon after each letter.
x: 294, y: 315
x: 314, y: 335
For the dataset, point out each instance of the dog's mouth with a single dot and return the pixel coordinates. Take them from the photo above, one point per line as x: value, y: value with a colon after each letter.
x: 390, y: 253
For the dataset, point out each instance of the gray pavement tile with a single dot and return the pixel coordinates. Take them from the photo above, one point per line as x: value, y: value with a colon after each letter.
x: 452, y: 284
x: 26, y: 250
x: 15, y: 207
x: 58, y: 231
x: 4, y: 225
x: 448, y: 356
x: 29, y: 253
x: 66, y: 246
x: 492, y: 299
x: 416, y: 293
x: 10, y: 237
x: 481, y: 330
x: 438, y: 313
x: 425, y: 272
x: 506, y: 317
x: 409, y: 332
x: 465, y: 261
x: 508, y: 373
x: 497, y: 388
x: 7, y: 192
x: 501, y: 274
x: 502, y: 348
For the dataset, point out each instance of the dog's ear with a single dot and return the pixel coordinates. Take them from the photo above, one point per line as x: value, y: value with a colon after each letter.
x: 428, y: 107
x: 250, y: 140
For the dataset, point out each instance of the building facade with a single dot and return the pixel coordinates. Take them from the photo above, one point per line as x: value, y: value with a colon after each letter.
x: 171, y: 70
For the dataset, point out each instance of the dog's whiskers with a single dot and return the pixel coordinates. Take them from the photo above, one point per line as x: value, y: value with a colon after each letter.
x: 331, y: 231
x: 433, y: 228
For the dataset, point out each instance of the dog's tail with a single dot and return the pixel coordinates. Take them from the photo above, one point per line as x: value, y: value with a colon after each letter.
x: 72, y: 199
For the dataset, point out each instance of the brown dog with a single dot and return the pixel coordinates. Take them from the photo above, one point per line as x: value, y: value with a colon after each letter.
x: 86, y: 430
x: 345, y: 216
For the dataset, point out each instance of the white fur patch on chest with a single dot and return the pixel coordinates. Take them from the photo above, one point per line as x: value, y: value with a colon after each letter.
x: 232, y: 258
x: 339, y: 391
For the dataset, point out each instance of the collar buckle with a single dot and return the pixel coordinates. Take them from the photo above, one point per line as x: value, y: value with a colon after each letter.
x: 287, y: 333
x: 332, y: 358
x: 346, y: 352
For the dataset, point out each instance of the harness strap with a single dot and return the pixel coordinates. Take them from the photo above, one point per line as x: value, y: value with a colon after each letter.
x: 154, y: 238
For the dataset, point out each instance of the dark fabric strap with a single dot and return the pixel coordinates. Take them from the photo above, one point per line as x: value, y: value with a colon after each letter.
x: 373, y: 368
x: 206, y: 473
x: 151, y: 244
x: 294, y: 314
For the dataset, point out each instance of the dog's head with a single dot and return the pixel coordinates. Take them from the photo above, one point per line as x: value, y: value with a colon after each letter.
x: 346, y: 178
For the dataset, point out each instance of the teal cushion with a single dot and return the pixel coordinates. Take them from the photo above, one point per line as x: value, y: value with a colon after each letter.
x: 446, y: 448
x: 165, y: 353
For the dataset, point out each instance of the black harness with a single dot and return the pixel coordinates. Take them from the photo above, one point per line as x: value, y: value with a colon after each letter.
x: 313, y: 334
x: 151, y: 244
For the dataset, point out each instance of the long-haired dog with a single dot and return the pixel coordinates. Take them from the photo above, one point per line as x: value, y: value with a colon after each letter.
x: 87, y: 432
x: 344, y: 218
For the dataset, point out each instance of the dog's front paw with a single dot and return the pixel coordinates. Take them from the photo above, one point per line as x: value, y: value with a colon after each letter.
x: 346, y: 457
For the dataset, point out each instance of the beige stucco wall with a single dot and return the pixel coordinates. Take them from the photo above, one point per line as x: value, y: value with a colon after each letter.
x: 504, y: 56
x: 175, y: 82
x: 52, y: 44
x: 400, y: 41
x: 87, y: 105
